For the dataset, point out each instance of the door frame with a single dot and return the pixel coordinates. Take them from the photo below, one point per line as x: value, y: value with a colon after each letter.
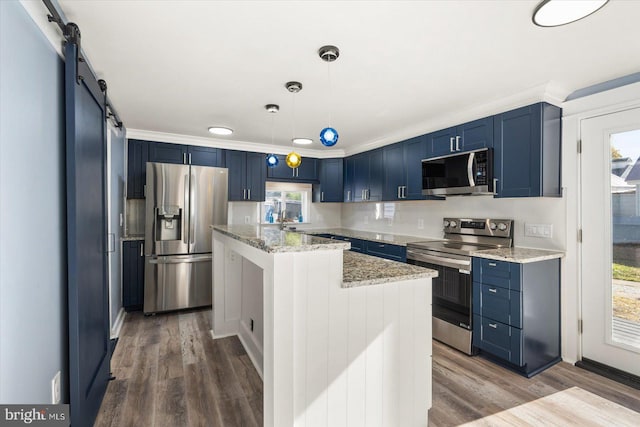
x: 574, y: 111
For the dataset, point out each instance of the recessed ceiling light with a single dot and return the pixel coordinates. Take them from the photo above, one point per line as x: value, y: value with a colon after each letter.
x: 552, y: 13
x: 216, y: 130
x: 302, y: 141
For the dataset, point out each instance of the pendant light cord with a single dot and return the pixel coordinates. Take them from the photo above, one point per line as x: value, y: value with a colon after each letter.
x: 330, y: 89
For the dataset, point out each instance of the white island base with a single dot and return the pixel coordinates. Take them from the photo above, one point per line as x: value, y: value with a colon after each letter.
x: 332, y: 355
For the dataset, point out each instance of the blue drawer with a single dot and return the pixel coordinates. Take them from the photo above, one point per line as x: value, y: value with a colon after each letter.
x: 357, y: 245
x: 498, y: 303
x: 498, y: 273
x: 496, y: 338
x: 386, y: 250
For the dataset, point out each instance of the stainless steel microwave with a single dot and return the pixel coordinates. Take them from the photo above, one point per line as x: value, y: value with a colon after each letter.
x: 470, y: 173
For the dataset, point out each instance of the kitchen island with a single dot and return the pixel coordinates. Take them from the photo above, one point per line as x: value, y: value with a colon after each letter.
x: 339, y: 338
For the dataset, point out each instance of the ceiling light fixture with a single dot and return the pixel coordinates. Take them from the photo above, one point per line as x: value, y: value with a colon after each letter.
x: 302, y: 141
x: 329, y: 136
x: 553, y: 13
x: 217, y: 130
x: 272, y: 159
x: 293, y: 159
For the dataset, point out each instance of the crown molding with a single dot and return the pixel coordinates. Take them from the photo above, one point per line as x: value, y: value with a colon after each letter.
x: 174, y: 138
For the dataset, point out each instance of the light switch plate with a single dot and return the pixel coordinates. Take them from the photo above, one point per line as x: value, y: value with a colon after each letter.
x: 538, y: 230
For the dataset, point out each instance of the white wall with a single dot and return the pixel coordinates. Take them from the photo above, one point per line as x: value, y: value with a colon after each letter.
x: 403, y: 217
x: 33, y: 281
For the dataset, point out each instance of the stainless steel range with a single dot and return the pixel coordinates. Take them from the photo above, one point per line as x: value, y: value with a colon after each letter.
x: 451, y: 257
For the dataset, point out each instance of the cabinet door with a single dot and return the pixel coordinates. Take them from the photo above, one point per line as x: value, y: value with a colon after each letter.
x: 376, y: 175
x: 167, y: 153
x: 137, y: 158
x: 205, y: 156
x: 256, y: 170
x: 132, y: 275
x: 476, y: 134
x: 236, y: 163
x: 308, y: 170
x: 360, y: 176
x: 517, y: 152
x: 331, y: 176
x: 415, y: 150
x: 442, y: 142
x: 282, y: 171
x: 394, y: 171
x: 348, y: 181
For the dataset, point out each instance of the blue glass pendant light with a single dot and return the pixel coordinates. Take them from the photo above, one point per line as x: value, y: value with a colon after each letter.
x: 272, y: 159
x: 328, y: 135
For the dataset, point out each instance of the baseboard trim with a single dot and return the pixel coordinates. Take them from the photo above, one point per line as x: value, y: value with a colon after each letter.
x: 610, y: 372
x: 246, y: 348
x: 117, y: 326
x: 253, y: 349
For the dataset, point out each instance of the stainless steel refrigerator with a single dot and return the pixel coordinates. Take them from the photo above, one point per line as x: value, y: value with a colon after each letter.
x: 182, y: 202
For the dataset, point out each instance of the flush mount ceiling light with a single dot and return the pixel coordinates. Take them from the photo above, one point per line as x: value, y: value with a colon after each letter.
x: 553, y: 13
x: 293, y: 159
x: 329, y: 136
x: 217, y: 130
x: 272, y: 159
x: 302, y: 141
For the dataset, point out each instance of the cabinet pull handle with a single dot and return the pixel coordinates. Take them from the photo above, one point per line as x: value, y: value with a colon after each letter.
x: 184, y: 158
x: 492, y: 264
x: 244, y: 194
x: 348, y: 195
x: 451, y: 144
x: 368, y: 194
x: 493, y: 290
x: 189, y: 158
x: 495, y: 186
x: 399, y: 192
x: 249, y: 194
x: 493, y: 325
x: 142, y: 249
x: 457, y: 143
x: 404, y: 191
x: 322, y: 196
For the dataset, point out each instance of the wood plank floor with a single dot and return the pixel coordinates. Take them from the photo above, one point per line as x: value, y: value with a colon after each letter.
x: 467, y: 389
x: 169, y: 372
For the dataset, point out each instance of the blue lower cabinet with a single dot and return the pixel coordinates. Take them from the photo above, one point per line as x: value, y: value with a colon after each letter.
x: 516, y: 313
x: 132, y: 275
x: 386, y: 250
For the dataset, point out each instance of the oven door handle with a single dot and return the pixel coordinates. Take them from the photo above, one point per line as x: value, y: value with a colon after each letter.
x: 440, y: 260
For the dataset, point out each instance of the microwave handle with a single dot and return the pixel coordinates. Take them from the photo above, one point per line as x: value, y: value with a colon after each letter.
x: 471, y: 167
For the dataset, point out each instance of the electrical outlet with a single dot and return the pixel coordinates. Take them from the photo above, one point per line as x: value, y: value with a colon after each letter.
x: 247, y: 219
x: 55, y: 389
x: 539, y: 230
x: 420, y: 224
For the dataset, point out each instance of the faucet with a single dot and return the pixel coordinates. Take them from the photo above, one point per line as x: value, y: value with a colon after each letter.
x: 282, y: 220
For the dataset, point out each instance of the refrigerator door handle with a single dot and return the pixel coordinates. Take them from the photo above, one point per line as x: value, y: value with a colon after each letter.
x: 180, y: 259
x: 192, y: 211
x: 185, y: 215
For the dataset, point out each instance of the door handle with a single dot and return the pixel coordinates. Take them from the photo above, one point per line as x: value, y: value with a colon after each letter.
x: 185, y: 206
x: 493, y: 290
x: 457, y: 143
x: 493, y: 325
x: 192, y: 208
x: 470, y: 166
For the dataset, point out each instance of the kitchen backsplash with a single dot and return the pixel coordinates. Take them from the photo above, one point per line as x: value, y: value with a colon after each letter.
x: 424, y: 218
x: 321, y: 215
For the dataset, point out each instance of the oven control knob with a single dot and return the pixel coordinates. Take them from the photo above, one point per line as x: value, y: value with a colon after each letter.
x: 446, y: 224
x: 452, y: 224
x: 492, y: 225
x: 502, y: 226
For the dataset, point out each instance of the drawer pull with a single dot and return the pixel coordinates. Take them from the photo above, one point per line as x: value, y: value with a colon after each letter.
x: 493, y: 325
x: 493, y: 290
x: 492, y: 264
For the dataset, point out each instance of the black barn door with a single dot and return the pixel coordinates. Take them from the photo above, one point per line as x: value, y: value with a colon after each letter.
x: 86, y: 233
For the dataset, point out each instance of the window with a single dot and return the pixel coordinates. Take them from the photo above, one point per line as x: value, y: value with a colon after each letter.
x: 286, y: 200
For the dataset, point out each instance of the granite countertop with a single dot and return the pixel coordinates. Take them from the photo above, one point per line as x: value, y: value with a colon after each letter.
x: 395, y: 239
x: 363, y: 270
x: 518, y: 255
x: 131, y: 238
x: 271, y: 239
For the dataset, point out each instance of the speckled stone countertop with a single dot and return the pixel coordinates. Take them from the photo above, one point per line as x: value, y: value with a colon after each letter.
x: 363, y: 270
x: 519, y: 255
x: 395, y: 239
x: 271, y: 239
x: 131, y: 238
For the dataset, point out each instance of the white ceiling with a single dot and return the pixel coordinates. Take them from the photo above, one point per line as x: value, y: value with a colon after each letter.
x: 405, y: 68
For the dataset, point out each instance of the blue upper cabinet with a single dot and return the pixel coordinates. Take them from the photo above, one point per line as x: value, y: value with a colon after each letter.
x: 527, y: 151
x: 368, y: 176
x: 403, y: 169
x: 306, y: 172
x: 330, y: 188
x: 247, y: 175
x: 467, y: 137
x: 348, y: 179
x: 162, y: 152
x: 205, y: 156
x: 137, y: 158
